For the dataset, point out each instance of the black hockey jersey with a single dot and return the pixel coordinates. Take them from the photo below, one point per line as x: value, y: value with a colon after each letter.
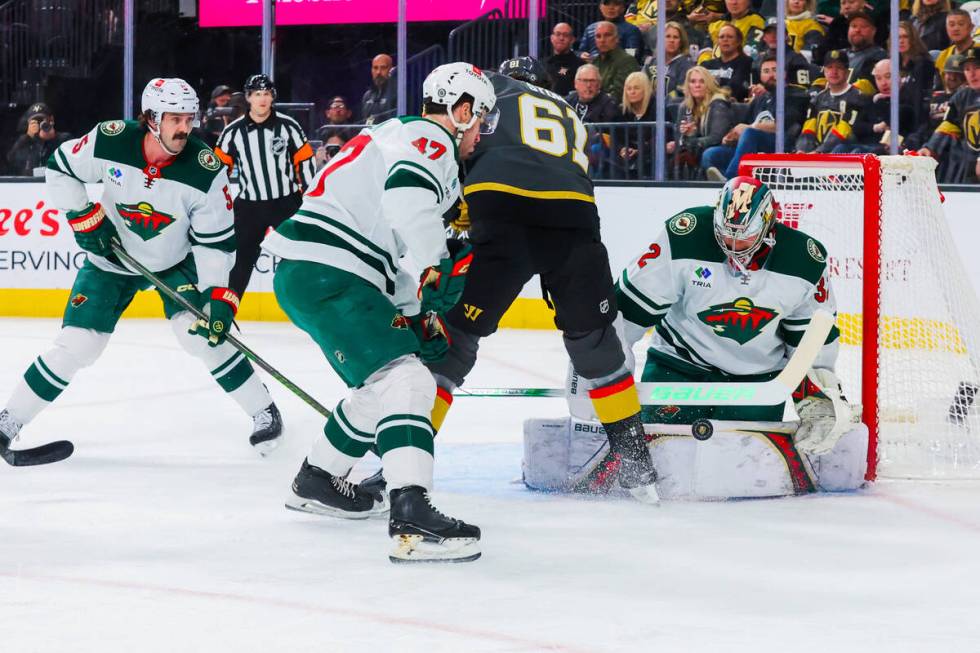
x: 961, y: 122
x: 536, y: 150
x: 833, y: 120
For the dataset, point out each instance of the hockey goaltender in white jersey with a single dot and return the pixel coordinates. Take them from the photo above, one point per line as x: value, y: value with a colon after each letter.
x: 729, y: 293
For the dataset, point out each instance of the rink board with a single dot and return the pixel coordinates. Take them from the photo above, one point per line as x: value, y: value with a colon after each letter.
x: 39, y: 257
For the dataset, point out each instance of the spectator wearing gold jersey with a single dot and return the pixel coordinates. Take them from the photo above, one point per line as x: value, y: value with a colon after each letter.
x: 740, y: 14
x: 803, y: 30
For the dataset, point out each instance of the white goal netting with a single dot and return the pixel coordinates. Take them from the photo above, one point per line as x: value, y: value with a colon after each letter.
x: 928, y: 367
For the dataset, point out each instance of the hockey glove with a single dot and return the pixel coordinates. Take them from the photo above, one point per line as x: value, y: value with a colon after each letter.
x: 433, y: 336
x: 442, y: 284
x: 93, y: 232
x: 221, y: 309
x: 825, y: 415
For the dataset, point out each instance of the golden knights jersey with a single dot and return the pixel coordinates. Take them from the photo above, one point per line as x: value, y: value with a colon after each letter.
x: 833, y: 120
x: 710, y: 317
x: 380, y: 198
x: 162, y: 213
x: 537, y: 149
x: 961, y: 122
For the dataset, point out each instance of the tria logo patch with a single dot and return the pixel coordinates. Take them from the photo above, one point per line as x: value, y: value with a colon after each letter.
x: 739, y: 320
x: 78, y: 300
x: 701, y: 276
x: 143, y: 220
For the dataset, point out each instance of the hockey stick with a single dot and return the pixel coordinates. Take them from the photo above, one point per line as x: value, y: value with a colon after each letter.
x: 47, y: 453
x: 767, y: 393
x: 235, y: 342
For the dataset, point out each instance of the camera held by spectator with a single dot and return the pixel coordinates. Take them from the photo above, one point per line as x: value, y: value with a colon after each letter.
x: 38, y: 140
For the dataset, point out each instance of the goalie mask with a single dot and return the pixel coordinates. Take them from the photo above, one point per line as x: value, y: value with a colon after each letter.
x: 448, y: 83
x: 743, y: 219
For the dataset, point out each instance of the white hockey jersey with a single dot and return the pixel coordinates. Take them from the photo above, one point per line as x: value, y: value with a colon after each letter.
x: 709, y: 316
x: 161, y: 213
x: 381, y: 198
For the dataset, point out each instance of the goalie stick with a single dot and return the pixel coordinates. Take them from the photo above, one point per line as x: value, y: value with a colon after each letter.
x: 136, y: 266
x: 767, y: 393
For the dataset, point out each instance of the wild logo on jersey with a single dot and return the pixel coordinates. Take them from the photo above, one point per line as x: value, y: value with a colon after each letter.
x: 143, y: 220
x: 740, y: 320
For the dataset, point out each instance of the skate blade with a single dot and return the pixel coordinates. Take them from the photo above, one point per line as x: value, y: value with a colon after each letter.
x: 414, y: 549
x: 646, y: 494
x: 266, y: 447
x: 314, y: 507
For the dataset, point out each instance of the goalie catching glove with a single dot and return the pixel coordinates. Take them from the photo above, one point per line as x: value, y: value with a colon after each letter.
x: 442, y: 284
x: 824, y: 413
x: 92, y: 231
x: 221, y: 309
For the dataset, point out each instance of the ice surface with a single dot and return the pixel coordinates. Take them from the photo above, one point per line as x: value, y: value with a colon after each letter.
x: 165, y: 532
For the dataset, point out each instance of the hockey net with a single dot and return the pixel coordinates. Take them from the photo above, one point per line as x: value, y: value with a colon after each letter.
x: 907, y: 312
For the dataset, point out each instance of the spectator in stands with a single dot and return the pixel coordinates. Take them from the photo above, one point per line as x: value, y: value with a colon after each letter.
x: 732, y: 68
x: 678, y: 58
x: 879, y: 117
x: 837, y: 29
x: 38, y: 140
x: 916, y: 68
x: 740, y: 14
x: 959, y: 29
x: 958, y: 133
x: 644, y: 14
x: 759, y: 133
x: 563, y: 62
x: 338, y: 116
x: 803, y: 30
x: 588, y: 99
x: 381, y: 99
x: 938, y: 102
x: 703, y: 119
x: 797, y: 67
x: 863, y: 53
x: 218, y: 114
x: 704, y: 13
x: 328, y: 149
x: 635, y: 144
x: 838, y: 113
x: 630, y: 37
x: 613, y: 62
x: 929, y: 20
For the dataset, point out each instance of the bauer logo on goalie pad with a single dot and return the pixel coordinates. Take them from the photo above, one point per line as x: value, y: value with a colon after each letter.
x: 683, y: 223
x: 208, y: 160
x: 112, y: 127
x: 739, y: 320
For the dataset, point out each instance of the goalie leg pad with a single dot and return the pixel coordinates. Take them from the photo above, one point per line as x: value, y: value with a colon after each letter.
x: 844, y: 467
x: 52, y: 371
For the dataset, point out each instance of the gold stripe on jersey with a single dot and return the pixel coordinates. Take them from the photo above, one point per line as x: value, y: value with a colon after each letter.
x: 523, y: 192
x: 950, y: 129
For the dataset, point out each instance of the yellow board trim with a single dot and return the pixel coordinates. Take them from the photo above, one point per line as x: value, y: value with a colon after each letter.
x: 523, y: 192
x: 524, y: 313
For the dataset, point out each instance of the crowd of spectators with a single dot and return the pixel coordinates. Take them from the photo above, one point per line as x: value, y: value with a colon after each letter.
x: 721, y: 75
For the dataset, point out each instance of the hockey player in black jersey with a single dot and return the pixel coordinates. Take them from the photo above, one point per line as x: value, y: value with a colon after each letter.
x: 532, y: 211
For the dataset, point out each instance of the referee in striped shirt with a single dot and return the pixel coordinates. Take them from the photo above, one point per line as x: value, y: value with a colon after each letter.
x: 275, y: 164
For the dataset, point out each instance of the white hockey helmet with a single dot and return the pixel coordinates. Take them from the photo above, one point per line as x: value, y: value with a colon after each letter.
x: 448, y: 83
x: 173, y: 95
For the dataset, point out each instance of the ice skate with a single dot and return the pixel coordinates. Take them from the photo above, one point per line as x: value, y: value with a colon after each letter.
x: 321, y: 493
x: 423, y: 534
x: 266, y: 430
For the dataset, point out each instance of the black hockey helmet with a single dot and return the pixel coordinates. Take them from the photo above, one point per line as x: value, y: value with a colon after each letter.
x: 260, y: 82
x: 526, y: 69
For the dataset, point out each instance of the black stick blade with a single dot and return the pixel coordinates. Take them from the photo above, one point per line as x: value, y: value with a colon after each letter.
x: 47, y: 453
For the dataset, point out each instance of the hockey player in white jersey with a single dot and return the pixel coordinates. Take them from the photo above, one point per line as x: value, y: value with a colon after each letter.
x: 369, y: 228
x: 729, y: 292
x: 165, y: 198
